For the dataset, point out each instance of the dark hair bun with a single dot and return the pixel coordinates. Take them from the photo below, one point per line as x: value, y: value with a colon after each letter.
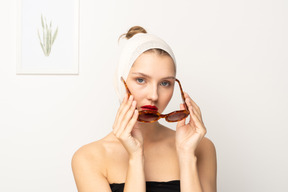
x: 132, y: 31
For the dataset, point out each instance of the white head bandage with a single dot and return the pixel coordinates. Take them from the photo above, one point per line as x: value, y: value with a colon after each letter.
x: 133, y: 48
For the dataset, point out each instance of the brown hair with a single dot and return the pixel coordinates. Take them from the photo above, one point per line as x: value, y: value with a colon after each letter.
x: 138, y: 29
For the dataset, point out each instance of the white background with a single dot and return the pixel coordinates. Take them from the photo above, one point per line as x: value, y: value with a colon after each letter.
x: 232, y: 59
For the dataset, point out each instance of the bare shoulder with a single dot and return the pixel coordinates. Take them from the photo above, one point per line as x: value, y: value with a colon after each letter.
x: 88, y: 166
x: 206, y: 146
x: 94, y: 154
x: 206, y: 150
x: 88, y: 153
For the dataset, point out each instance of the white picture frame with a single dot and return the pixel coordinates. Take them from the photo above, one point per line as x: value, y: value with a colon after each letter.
x: 48, y: 37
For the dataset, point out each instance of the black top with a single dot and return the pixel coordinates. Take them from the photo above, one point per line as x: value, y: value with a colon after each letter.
x: 152, y: 186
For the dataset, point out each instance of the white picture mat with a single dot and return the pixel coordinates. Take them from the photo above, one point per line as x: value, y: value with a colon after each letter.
x: 63, y: 58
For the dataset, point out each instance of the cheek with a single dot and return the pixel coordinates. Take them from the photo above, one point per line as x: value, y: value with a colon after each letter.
x: 138, y: 95
x: 170, y: 96
x: 166, y: 97
x: 138, y: 99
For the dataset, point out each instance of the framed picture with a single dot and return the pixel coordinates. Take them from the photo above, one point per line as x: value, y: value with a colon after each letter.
x: 48, y: 37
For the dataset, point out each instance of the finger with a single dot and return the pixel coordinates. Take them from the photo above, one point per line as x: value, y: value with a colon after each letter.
x: 197, y: 123
x: 125, y: 107
x: 195, y: 106
x: 129, y: 115
x: 122, y: 112
x: 189, y: 103
x: 119, y: 111
x: 121, y: 105
x: 193, y: 117
x: 182, y: 122
x: 123, y: 121
x: 186, y: 95
x: 131, y: 126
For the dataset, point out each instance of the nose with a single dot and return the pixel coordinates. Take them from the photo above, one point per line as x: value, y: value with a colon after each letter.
x: 153, y: 93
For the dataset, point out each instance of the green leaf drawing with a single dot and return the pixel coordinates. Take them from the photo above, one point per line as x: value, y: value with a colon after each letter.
x: 42, y: 22
x: 47, y: 39
x: 54, y: 36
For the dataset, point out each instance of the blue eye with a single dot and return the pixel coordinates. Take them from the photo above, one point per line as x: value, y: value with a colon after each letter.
x: 140, y: 80
x: 165, y: 83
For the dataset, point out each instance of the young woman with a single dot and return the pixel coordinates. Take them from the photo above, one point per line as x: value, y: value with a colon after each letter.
x: 140, y: 154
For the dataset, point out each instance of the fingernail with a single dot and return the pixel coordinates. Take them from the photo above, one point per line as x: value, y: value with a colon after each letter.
x: 131, y: 97
x: 125, y: 96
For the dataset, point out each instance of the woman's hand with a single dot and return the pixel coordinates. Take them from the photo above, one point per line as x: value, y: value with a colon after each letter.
x: 125, y: 127
x: 189, y: 135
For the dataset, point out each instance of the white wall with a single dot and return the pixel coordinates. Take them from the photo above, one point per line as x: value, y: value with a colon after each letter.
x: 232, y: 58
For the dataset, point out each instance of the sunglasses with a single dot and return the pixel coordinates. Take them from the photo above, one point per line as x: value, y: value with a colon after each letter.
x: 149, y: 116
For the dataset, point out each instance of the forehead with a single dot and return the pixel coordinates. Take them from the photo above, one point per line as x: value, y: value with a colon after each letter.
x: 154, y: 64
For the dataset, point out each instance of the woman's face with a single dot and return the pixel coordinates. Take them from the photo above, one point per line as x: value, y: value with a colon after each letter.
x: 151, y: 80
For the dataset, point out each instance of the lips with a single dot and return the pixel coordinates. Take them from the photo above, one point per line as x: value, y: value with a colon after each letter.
x: 149, y: 107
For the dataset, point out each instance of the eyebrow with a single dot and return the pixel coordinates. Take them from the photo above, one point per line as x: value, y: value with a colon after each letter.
x: 147, y: 76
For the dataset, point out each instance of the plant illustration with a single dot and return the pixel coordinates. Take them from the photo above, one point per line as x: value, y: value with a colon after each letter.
x: 47, y: 39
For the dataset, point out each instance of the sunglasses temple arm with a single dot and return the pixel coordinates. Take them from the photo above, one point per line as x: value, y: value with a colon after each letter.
x: 182, y: 94
x: 128, y: 91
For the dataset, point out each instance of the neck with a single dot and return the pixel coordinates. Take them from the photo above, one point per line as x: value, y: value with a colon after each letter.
x: 150, y: 131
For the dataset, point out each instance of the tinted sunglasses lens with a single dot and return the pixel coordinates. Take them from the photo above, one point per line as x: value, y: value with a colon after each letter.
x: 147, y: 117
x: 176, y: 116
